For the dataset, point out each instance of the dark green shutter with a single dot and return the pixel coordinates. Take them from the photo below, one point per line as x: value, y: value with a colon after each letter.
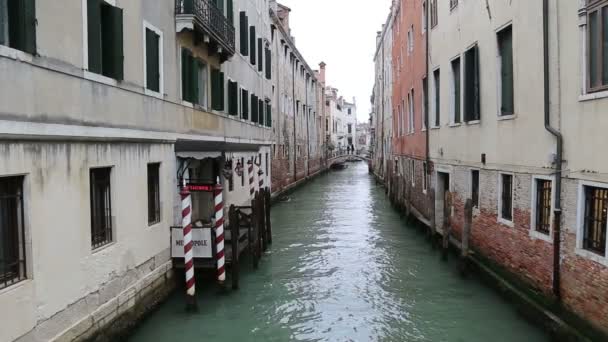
x: 188, y: 6
x: 215, y: 91
x: 261, y: 112
x: 245, y: 104
x: 268, y: 114
x: 29, y: 26
x: 252, y: 40
x: 260, y: 52
x: 220, y: 5
x: 222, y: 87
x: 244, y: 39
x: 230, y: 12
x: 254, y: 108
x: 268, y: 64
x: 594, y: 40
x: 233, y: 104
x: 477, y: 86
x: 437, y: 76
x: 506, y: 54
x: 112, y: 42
x: 3, y: 21
x: 194, y: 80
x: 94, y: 35
x: 456, y: 73
x: 186, y: 75
x: 152, y: 60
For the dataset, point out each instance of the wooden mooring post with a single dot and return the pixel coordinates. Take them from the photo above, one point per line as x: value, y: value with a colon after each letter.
x: 234, y: 226
x: 267, y: 213
x: 432, y: 229
x: 466, y: 232
x: 447, y: 213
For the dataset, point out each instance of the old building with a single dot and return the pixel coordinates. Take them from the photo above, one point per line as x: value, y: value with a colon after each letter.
x: 382, y: 111
x: 102, y: 121
x: 341, y: 119
x: 409, y: 164
x: 298, y: 140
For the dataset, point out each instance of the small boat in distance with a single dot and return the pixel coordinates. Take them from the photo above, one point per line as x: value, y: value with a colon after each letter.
x: 339, y: 166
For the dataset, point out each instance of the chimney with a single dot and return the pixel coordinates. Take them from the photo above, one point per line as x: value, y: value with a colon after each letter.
x: 322, y: 73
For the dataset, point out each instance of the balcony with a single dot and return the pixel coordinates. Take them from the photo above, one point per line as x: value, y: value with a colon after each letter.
x: 209, y: 25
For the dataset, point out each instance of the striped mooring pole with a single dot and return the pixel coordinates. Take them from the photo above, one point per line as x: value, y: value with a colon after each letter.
x: 251, y: 176
x: 261, y: 177
x: 219, y: 233
x: 188, y: 253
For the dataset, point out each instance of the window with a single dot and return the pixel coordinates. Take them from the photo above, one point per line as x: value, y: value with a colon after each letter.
x: 456, y: 90
x: 217, y: 90
x: 471, y: 85
x: 596, y: 209
x: 506, y: 197
x: 411, y: 113
x: 260, y: 55
x: 268, y: 60
x: 413, y: 171
x: 12, y: 234
x: 475, y: 188
x: 434, y: 19
x: 268, y: 114
x: 410, y: 40
x: 153, y: 193
x: 229, y: 11
x: 194, y: 79
x: 453, y: 4
x: 105, y: 39
x: 424, y: 21
x: 542, y: 207
x: 437, y: 80
x: 244, y: 33
x: 425, y: 100
x: 101, y: 207
x: 244, y: 104
x: 350, y: 128
x: 597, y: 31
x: 153, y: 60
x: 254, y: 108
x: 233, y: 98
x: 260, y: 112
x: 505, y: 46
x: 350, y: 111
x: 18, y: 25
x: 425, y: 177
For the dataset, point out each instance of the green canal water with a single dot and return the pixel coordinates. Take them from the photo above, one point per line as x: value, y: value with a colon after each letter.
x: 343, y: 267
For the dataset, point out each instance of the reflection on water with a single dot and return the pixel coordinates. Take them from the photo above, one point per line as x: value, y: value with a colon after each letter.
x: 343, y: 267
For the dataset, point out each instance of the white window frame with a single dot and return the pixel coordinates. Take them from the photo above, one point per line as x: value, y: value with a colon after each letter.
x: 85, y: 47
x: 411, y: 128
x: 502, y: 220
x: 432, y: 106
x: 580, y: 224
x: 499, y: 77
x: 161, y: 60
x: 533, y: 232
x: 585, y: 95
x: 453, y: 90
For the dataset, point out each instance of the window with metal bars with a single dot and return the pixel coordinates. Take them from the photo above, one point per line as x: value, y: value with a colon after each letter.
x: 506, y: 210
x: 596, y: 208
x: 12, y: 234
x: 543, y: 206
x: 153, y: 193
x: 101, y: 207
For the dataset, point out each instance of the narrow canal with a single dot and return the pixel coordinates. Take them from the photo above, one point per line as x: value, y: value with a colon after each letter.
x: 344, y: 267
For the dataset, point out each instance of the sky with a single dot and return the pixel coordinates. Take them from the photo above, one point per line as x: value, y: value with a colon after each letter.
x: 341, y: 33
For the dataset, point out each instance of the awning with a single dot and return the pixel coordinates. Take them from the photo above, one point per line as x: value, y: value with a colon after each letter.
x: 217, y: 147
x: 198, y: 155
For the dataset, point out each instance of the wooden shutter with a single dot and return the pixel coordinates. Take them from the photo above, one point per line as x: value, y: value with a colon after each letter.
x: 233, y: 104
x: 252, y: 39
x: 29, y: 26
x: 221, y: 86
x: 230, y: 12
x: 194, y: 79
x: 268, y: 114
x: 245, y: 104
x: 112, y: 42
x: 477, y: 87
x: 260, y: 52
x: 185, y: 75
x: 215, y: 89
x: 244, y: 39
x: 94, y: 35
x: 268, y: 64
x: 254, y: 108
x: 3, y: 22
x: 260, y: 112
x: 152, y: 60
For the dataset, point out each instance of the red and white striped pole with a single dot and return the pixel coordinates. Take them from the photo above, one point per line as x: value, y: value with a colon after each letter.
x: 261, y: 177
x: 219, y: 233
x: 188, y: 253
x: 251, y: 180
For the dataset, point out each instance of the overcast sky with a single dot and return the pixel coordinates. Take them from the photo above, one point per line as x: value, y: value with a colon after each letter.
x: 342, y: 33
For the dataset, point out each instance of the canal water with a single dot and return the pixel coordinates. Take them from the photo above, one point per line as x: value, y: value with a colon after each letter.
x: 344, y: 267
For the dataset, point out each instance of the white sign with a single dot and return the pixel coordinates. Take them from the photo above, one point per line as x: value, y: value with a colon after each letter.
x: 201, y: 240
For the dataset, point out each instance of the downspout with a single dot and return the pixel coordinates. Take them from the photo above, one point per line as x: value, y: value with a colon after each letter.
x: 427, y: 117
x: 295, y: 135
x: 558, y: 171
x: 307, y: 131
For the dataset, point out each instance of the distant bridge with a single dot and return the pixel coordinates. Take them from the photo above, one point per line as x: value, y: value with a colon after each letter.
x: 345, y: 157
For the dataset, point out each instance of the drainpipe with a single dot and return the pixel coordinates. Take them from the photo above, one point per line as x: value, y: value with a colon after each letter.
x: 558, y: 171
x: 307, y: 131
x: 295, y: 135
x: 426, y: 97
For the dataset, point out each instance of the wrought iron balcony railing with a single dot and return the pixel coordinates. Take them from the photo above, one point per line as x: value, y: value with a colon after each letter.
x: 210, y: 19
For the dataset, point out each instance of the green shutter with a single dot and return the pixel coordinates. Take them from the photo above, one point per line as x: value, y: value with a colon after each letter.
x: 152, y: 61
x: 244, y: 39
x: 260, y: 112
x: 230, y: 12
x: 186, y: 75
x: 477, y: 86
x: 94, y: 35
x: 112, y: 42
x: 233, y: 104
x: 188, y: 6
x: 594, y: 40
x: 3, y: 22
x: 215, y: 91
x: 254, y: 108
x: 220, y: 5
x: 605, y: 45
x: 260, y: 52
x: 268, y: 64
x: 252, y: 40
x: 245, y: 104
x: 506, y: 54
x: 456, y: 73
x: 268, y: 114
x: 29, y: 26
x: 222, y: 87
x: 194, y: 80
